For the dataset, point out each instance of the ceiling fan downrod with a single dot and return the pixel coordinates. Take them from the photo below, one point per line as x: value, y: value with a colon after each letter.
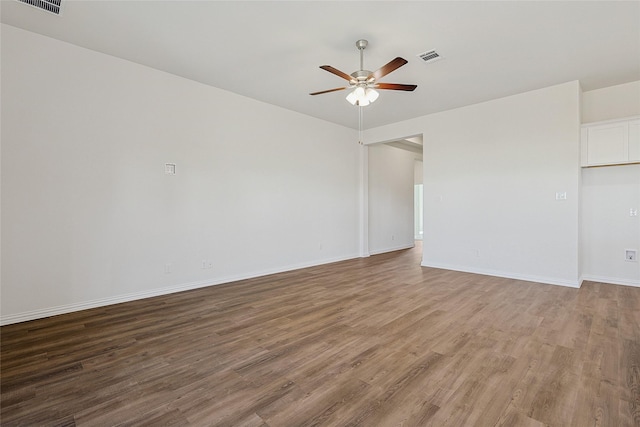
x: 361, y: 45
x: 361, y: 76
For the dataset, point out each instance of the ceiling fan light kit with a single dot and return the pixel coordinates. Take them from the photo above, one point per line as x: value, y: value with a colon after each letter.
x: 362, y: 96
x: 363, y: 83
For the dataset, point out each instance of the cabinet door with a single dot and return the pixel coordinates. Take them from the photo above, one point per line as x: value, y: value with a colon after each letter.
x: 634, y: 141
x: 607, y: 144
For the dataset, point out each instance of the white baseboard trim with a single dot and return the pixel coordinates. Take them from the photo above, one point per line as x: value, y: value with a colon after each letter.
x: 85, y: 305
x: 393, y: 249
x: 506, y: 274
x: 612, y: 280
x: 117, y: 299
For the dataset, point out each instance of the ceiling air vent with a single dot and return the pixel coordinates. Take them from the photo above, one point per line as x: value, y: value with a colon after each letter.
x: 429, y: 56
x: 52, y: 6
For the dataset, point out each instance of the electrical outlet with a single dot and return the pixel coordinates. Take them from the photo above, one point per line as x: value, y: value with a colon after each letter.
x: 631, y: 255
x: 561, y: 195
x: 210, y: 264
x: 204, y: 264
x: 633, y: 212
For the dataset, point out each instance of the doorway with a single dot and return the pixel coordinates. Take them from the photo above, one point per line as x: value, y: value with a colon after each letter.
x: 395, y: 195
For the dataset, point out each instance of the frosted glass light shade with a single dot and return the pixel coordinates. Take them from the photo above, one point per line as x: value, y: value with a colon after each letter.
x: 352, y: 98
x: 372, y: 95
x: 362, y: 96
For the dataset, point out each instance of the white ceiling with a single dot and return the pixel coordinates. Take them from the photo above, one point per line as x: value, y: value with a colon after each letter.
x: 271, y: 50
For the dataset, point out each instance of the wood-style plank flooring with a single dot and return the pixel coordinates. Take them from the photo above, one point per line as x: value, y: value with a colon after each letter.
x: 371, y: 342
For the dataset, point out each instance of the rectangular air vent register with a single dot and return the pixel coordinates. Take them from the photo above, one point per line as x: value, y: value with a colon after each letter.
x: 52, y: 6
x: 429, y: 56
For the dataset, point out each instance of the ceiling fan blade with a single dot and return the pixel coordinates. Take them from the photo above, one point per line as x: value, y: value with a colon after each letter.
x: 327, y: 91
x: 337, y: 72
x: 395, y: 86
x: 386, y: 69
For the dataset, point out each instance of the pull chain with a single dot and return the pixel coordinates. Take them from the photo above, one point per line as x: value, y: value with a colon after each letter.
x: 360, y: 141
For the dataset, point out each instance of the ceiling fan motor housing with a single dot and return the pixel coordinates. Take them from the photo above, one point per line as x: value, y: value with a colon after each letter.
x: 361, y: 77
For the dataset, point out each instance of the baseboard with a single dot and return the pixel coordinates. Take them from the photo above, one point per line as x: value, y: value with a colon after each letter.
x: 612, y: 280
x: 102, y: 302
x: 395, y: 248
x: 507, y: 275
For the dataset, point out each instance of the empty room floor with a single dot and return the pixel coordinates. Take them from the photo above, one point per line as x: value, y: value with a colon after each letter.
x: 378, y: 341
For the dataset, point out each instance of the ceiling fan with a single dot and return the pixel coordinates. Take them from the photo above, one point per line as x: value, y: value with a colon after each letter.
x: 364, y: 82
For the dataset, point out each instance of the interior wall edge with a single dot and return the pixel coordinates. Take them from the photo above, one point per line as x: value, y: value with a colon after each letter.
x: 507, y: 275
x: 103, y: 302
x: 393, y: 249
x: 611, y: 280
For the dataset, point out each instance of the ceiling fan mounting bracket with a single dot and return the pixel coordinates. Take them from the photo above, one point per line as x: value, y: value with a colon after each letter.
x: 362, y: 44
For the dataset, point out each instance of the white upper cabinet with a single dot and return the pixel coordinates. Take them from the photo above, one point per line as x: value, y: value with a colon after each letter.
x: 610, y: 143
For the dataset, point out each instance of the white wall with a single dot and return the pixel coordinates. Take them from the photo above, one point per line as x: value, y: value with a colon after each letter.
x: 608, y: 195
x: 612, y: 102
x: 418, y: 172
x: 88, y: 215
x: 607, y: 229
x: 491, y: 172
x: 418, y: 200
x: 391, y: 175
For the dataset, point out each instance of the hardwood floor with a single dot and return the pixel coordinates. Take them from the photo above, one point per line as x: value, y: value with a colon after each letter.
x: 372, y: 342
